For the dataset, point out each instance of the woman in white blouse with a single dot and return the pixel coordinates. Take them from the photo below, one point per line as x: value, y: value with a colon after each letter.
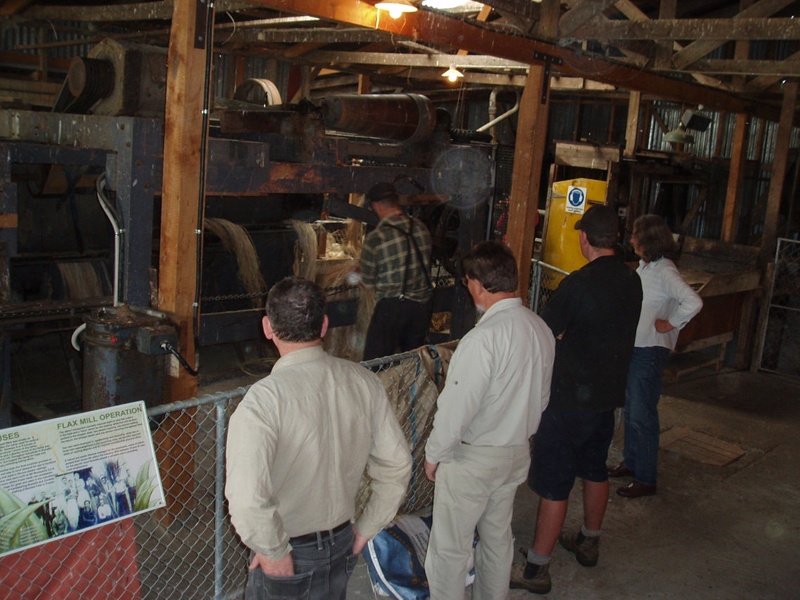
x: 669, y: 303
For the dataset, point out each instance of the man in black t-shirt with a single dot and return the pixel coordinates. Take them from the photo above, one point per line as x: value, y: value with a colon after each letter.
x: 593, y: 314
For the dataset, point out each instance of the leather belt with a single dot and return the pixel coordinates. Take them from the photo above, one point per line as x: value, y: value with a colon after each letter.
x: 316, y: 535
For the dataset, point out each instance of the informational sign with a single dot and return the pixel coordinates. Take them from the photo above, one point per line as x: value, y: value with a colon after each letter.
x: 576, y: 200
x: 66, y: 475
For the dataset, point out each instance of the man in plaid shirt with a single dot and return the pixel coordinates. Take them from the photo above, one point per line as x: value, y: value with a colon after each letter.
x: 395, y: 263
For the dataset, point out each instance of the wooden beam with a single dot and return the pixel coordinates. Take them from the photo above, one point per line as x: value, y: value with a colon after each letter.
x: 135, y: 11
x: 580, y: 13
x: 547, y: 25
x: 529, y: 152
x: 718, y: 30
x: 697, y: 50
x: 630, y: 10
x: 332, y: 57
x: 13, y: 7
x: 777, y: 69
x: 735, y: 179
x: 520, y: 8
x: 364, y: 84
x: 310, y: 35
x: 778, y: 172
x: 667, y: 9
x: 441, y: 29
x: 759, y: 84
x: 632, y: 128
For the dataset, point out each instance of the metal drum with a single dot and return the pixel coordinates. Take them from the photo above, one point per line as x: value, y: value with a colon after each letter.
x: 123, y: 357
x: 407, y: 118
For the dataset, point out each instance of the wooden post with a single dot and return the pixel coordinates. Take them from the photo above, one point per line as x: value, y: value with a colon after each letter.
x: 778, y: 172
x: 364, y: 84
x: 735, y: 178
x: 526, y: 179
x: 769, y: 237
x: 181, y: 233
x: 632, y: 128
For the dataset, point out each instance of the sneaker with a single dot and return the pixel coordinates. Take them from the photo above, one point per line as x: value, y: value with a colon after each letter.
x: 531, y: 577
x: 585, y: 549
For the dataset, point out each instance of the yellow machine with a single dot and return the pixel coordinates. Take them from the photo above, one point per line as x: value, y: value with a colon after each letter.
x: 569, y: 200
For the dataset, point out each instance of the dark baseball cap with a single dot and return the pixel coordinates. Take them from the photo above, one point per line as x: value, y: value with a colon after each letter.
x: 600, y: 220
x: 381, y: 191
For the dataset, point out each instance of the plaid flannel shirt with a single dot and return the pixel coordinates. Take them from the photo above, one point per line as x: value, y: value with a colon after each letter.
x: 385, y: 254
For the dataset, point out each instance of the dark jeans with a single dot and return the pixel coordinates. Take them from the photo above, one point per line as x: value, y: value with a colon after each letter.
x: 641, y: 412
x: 396, y: 326
x: 322, y: 570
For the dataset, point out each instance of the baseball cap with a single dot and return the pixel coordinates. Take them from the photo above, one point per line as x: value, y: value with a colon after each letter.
x: 381, y: 191
x: 599, y: 220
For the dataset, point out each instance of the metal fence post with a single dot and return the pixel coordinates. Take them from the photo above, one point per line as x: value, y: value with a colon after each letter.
x: 219, y: 499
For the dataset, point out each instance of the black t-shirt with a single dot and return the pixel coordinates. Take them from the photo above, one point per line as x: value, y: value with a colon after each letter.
x: 596, y: 308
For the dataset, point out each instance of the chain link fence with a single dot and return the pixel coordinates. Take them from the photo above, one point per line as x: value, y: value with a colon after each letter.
x: 545, y: 279
x: 189, y: 550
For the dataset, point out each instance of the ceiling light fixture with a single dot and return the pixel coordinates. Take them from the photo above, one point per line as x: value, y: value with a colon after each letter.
x: 452, y: 74
x: 396, y: 8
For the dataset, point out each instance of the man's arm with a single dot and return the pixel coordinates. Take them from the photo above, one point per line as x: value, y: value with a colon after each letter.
x: 557, y: 312
x: 467, y: 381
x: 253, y: 510
x: 389, y: 467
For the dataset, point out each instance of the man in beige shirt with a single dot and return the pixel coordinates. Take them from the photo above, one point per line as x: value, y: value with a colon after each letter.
x: 498, y: 384
x: 296, y: 451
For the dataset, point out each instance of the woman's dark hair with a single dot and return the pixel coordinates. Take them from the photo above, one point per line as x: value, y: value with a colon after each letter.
x: 654, y: 238
x: 296, y: 310
x: 493, y: 265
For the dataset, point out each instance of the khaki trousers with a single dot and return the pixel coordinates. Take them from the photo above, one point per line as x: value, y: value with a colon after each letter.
x: 475, y: 489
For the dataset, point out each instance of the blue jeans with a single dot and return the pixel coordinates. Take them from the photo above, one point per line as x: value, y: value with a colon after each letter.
x: 322, y: 569
x: 641, y: 412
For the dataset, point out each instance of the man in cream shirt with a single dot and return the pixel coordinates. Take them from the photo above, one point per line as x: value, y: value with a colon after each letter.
x: 296, y: 451
x: 478, y: 453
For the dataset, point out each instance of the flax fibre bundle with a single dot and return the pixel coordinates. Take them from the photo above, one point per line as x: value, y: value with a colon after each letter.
x: 238, y: 242
x: 347, y: 341
x: 305, y: 251
x: 80, y: 280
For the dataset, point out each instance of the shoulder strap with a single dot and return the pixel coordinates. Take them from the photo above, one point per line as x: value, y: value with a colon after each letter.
x: 411, y: 241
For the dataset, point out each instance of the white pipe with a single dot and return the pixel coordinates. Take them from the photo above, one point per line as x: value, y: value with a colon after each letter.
x: 505, y: 115
x: 75, y: 334
x: 117, y: 235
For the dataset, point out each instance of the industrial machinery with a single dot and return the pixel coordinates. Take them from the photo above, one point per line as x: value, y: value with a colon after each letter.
x: 266, y: 164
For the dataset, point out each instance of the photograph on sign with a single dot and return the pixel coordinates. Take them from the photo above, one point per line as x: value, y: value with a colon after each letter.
x: 63, y: 476
x: 576, y: 200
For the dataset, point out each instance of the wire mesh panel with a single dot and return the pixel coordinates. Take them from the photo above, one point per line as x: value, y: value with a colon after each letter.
x: 781, y: 344
x: 545, y: 279
x: 189, y: 550
x: 413, y: 381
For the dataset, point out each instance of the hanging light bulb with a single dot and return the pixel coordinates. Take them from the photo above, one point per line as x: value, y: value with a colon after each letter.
x: 452, y: 74
x: 396, y: 8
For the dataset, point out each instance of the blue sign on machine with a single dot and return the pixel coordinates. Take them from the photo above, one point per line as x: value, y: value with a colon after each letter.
x: 576, y: 200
